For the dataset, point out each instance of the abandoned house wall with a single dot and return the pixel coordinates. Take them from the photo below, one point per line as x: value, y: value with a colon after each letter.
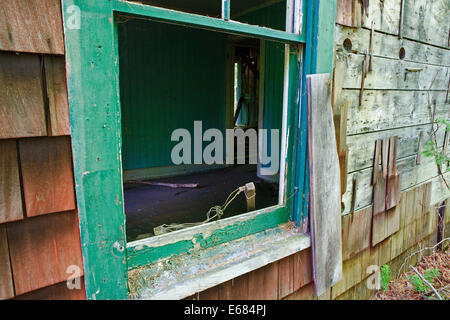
x: 395, y: 102
x: 39, y: 234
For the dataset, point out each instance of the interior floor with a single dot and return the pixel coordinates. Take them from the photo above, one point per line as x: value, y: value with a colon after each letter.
x: 149, y: 206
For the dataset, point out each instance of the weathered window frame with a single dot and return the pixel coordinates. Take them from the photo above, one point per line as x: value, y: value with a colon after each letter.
x: 93, y: 86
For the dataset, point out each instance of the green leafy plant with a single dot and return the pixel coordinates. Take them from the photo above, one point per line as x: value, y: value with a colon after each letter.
x: 385, y: 270
x: 428, y: 274
x: 431, y: 149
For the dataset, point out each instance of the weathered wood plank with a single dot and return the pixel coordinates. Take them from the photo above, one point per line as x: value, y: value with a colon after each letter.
x: 31, y: 26
x: 387, y: 110
x: 356, y: 232
x: 385, y: 15
x: 42, y: 249
x: 55, y: 74
x: 21, y: 99
x: 389, y: 74
x: 411, y: 175
x: 361, y: 157
x: 389, y: 46
x: 10, y: 194
x: 47, y: 175
x: 324, y: 185
x: 285, y: 277
x: 427, y: 21
x: 302, y: 262
x: 344, y: 12
x: 6, y: 282
x: 56, y: 292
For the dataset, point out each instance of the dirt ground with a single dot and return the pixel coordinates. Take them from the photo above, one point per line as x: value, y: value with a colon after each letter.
x: 408, y: 286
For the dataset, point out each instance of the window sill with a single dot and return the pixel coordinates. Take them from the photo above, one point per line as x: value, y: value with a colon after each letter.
x: 182, y: 276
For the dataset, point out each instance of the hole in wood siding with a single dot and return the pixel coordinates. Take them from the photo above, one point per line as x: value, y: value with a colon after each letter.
x: 347, y: 44
x: 402, y: 53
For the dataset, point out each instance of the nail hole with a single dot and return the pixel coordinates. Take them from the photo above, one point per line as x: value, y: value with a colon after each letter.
x: 402, y: 53
x: 347, y: 44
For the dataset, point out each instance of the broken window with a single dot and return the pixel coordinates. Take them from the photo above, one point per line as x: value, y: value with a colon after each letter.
x: 186, y: 94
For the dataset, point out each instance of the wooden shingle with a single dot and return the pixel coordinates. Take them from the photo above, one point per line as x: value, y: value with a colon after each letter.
x: 21, y: 99
x: 56, y: 84
x: 42, y: 248
x: 31, y: 26
x: 6, y: 283
x: 10, y: 194
x: 47, y: 175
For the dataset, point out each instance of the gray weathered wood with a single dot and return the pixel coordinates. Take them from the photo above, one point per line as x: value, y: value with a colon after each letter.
x: 324, y: 185
x: 389, y: 46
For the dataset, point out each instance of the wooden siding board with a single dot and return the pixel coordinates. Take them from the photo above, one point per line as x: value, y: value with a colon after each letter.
x: 389, y: 74
x: 356, y: 232
x: 285, y: 277
x: 42, y: 248
x: 324, y: 185
x: 6, y: 282
x: 10, y: 193
x: 302, y: 269
x: 56, y: 292
x: 388, y: 46
x: 56, y: 84
x: 21, y: 99
x: 47, y: 175
x: 31, y: 26
x: 411, y: 175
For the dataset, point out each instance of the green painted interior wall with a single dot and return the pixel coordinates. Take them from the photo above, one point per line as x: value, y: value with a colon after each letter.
x: 169, y: 77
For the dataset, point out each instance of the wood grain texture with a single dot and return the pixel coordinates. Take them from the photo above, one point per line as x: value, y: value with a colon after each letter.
x: 389, y: 46
x: 56, y: 292
x: 6, y: 282
x: 56, y: 84
x: 42, y: 248
x: 47, y: 175
x: 324, y: 185
x: 344, y: 12
x: 356, y: 232
x: 21, y: 99
x: 263, y: 283
x: 390, y: 74
x: 10, y: 193
x: 31, y: 26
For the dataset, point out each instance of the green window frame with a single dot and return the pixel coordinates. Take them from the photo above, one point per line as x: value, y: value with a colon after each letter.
x: 93, y: 86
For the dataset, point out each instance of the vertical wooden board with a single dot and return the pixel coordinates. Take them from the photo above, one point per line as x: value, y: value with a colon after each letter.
x: 226, y: 291
x: 10, y: 194
x: 356, y: 233
x: 285, y: 277
x: 47, y: 175
x: 56, y: 292
x: 397, y: 244
x: 55, y: 75
x: 302, y: 269
x: 324, y: 185
x: 384, y: 252
x: 21, y: 98
x: 6, y: 282
x: 263, y: 283
x: 42, y: 249
x: 210, y: 294
x: 392, y: 221
x: 352, y: 274
x: 306, y: 292
x: 239, y: 287
x: 344, y: 12
x: 271, y: 281
x: 31, y: 26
